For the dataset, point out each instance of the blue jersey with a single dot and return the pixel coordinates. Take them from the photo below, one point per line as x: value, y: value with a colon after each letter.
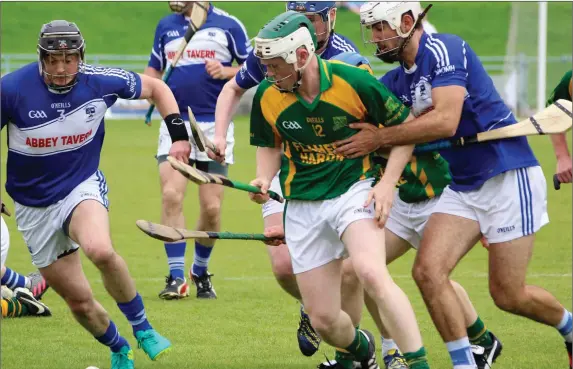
x: 55, y: 140
x: 222, y: 37
x: 447, y: 60
x: 252, y: 72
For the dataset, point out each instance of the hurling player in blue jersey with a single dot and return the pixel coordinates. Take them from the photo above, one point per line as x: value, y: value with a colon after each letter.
x: 498, y: 188
x: 55, y: 126
x: 322, y: 14
x: 196, y: 81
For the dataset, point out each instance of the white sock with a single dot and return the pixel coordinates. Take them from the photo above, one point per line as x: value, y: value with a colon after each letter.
x: 461, y: 354
x: 387, y: 345
x: 565, y: 327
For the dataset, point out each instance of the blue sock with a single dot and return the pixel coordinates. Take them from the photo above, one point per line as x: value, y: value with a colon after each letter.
x: 112, y: 339
x: 13, y: 280
x: 566, y: 326
x: 176, y: 258
x: 202, y: 256
x: 135, y: 313
x: 461, y: 353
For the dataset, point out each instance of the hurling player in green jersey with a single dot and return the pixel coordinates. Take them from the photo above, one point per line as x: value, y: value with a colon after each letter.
x: 298, y: 112
x: 564, y: 165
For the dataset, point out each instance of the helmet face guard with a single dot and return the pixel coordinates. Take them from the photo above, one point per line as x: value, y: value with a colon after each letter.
x: 58, y: 41
x: 390, y: 13
x: 321, y: 8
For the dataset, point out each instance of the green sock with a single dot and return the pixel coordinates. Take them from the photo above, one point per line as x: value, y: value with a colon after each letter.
x: 417, y: 360
x: 16, y: 309
x: 478, y: 334
x: 358, y: 347
x: 344, y: 359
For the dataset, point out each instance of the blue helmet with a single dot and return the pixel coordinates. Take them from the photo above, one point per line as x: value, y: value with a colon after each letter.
x: 318, y: 7
x: 354, y: 59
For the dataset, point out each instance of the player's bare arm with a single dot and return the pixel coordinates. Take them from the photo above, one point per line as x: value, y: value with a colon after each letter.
x: 383, y: 192
x: 152, y: 72
x: 564, y: 164
x: 156, y: 90
x: 218, y: 71
x: 441, y: 122
x: 560, y: 147
x: 227, y: 104
x: 268, y: 164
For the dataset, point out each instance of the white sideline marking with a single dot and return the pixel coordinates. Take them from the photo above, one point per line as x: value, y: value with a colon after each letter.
x: 395, y: 276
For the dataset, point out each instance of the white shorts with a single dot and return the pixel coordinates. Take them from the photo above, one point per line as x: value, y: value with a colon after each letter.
x: 508, y: 206
x: 313, y: 229
x: 208, y: 129
x: 43, y: 228
x: 407, y: 221
x: 4, y: 240
x: 273, y: 206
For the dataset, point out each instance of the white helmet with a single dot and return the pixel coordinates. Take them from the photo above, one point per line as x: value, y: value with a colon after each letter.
x: 390, y: 12
x: 282, y: 36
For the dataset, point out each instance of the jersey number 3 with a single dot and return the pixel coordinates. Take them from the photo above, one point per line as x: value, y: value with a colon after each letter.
x: 62, y: 115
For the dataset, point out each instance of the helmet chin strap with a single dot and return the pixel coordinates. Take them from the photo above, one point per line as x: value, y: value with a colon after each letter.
x: 299, y: 72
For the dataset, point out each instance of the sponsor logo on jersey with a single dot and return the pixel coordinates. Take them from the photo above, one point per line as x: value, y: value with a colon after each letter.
x: 338, y: 123
x: 173, y: 33
x: 90, y: 113
x: 446, y: 69
x: 37, y: 114
x: 291, y: 124
x: 314, y: 119
x: 58, y: 140
x: 505, y: 229
x: 61, y: 105
x: 194, y: 54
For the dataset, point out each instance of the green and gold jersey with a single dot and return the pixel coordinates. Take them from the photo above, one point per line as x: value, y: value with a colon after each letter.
x: 563, y: 89
x: 423, y: 178
x: 310, y: 170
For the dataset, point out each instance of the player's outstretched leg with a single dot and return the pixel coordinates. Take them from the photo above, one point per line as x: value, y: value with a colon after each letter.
x: 281, y: 265
x: 508, y: 263
x: 173, y: 186
x: 486, y: 347
x: 89, y: 227
x: 210, y: 201
x: 66, y: 277
x: 393, y: 305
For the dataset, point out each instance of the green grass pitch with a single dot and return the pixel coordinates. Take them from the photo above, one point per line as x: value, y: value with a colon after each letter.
x: 253, y: 322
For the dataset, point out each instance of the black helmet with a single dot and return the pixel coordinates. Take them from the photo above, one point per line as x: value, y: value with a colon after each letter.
x: 60, y: 37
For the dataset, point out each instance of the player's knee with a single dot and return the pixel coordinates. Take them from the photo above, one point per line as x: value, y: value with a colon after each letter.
x: 426, y: 274
x: 322, y: 320
x: 376, y: 281
x: 506, y: 298
x: 349, y: 278
x: 101, y: 254
x: 211, y: 212
x: 282, y: 267
x: 81, y: 303
x: 172, y: 199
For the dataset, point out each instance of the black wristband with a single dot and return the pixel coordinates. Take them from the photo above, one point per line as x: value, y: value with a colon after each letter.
x: 176, y: 127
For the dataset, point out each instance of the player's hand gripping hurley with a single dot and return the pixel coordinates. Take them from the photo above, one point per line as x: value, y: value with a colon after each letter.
x: 198, y: 19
